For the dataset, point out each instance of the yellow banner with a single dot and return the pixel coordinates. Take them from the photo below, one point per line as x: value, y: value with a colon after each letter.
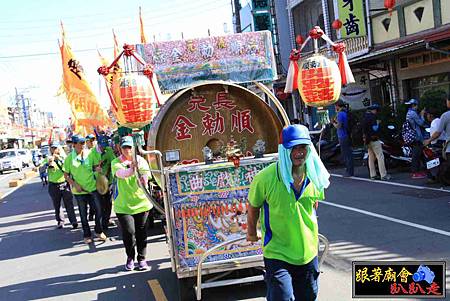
x: 87, y: 112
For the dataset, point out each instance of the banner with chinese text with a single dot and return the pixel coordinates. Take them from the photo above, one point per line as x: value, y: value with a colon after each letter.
x: 85, y: 108
x: 240, y: 58
x: 352, y: 16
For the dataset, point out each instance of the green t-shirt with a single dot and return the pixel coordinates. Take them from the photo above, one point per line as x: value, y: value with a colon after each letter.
x: 55, y: 175
x: 81, y: 170
x: 289, y: 226
x: 106, y: 157
x: 128, y: 197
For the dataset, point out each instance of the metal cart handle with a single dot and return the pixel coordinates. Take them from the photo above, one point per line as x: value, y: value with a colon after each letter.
x: 198, y: 291
x: 142, y: 186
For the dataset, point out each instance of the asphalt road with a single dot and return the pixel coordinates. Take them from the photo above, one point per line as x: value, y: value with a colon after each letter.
x: 39, y: 262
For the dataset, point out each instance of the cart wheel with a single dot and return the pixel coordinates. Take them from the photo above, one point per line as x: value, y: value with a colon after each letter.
x: 186, y: 289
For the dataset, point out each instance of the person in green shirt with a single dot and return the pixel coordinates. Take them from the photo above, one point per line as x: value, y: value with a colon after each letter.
x: 131, y: 204
x: 79, y: 172
x: 286, y: 194
x: 104, y: 154
x: 58, y: 188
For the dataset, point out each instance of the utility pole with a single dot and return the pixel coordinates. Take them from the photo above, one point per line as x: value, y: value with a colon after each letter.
x: 236, y: 4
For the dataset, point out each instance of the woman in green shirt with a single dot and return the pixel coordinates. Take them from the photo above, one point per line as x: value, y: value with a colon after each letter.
x: 58, y: 188
x: 131, y: 204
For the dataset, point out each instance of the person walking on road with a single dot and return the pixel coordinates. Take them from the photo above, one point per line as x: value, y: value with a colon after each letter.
x: 286, y: 194
x: 417, y: 123
x: 371, y: 129
x: 104, y: 155
x: 341, y: 124
x: 78, y: 171
x: 131, y: 204
x: 58, y: 188
x: 43, y: 170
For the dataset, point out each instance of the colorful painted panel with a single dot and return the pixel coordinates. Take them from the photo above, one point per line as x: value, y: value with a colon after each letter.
x: 240, y: 58
x: 210, y: 207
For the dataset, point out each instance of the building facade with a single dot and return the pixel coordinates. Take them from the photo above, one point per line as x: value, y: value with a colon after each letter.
x: 395, y: 54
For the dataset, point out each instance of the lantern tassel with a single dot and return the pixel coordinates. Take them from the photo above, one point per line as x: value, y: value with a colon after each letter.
x: 344, y: 67
x: 292, y: 76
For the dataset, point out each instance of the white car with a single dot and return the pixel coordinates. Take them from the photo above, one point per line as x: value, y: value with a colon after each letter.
x: 10, y: 159
x: 27, y: 158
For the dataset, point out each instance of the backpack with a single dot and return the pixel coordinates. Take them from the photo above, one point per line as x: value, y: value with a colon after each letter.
x: 354, y: 128
x: 408, y: 133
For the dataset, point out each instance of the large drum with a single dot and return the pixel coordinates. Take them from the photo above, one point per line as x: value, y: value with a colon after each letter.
x: 211, y: 114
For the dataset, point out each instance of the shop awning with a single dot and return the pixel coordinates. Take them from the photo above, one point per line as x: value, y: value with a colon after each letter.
x: 388, y: 51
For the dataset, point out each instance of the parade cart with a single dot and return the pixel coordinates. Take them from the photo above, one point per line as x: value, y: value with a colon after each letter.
x: 205, y: 145
x: 205, y: 189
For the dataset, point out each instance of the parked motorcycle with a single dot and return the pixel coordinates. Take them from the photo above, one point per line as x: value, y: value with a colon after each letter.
x: 397, y: 154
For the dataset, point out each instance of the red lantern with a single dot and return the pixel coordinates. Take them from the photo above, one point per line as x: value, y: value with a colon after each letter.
x: 389, y: 5
x: 136, y: 103
x: 337, y: 24
x: 319, y: 81
x: 299, y: 39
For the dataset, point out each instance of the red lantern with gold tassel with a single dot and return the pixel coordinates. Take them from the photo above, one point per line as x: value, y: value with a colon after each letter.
x: 389, y: 5
x: 337, y: 24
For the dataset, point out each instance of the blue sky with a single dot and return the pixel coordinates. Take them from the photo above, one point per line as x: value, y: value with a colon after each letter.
x: 29, y: 31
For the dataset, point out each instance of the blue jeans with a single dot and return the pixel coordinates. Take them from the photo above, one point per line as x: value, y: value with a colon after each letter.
x: 288, y: 282
x: 347, y: 154
x: 94, y: 201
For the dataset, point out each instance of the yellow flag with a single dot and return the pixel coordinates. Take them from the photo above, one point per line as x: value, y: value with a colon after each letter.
x: 108, y: 81
x: 87, y: 112
x: 143, y: 39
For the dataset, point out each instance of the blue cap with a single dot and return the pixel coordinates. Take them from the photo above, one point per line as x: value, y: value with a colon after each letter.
x: 103, y: 140
x: 90, y: 136
x: 294, y: 135
x: 412, y: 101
x: 126, y: 141
x: 78, y: 139
x: 54, y: 144
x: 374, y: 106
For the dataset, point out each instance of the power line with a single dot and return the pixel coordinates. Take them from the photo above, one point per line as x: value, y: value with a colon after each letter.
x: 76, y: 37
x: 146, y: 12
x: 93, y: 35
x: 53, y: 53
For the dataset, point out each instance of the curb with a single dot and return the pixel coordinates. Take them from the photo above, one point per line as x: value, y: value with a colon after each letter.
x: 22, y: 182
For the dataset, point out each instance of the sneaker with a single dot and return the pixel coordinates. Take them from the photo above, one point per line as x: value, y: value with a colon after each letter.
x: 129, y: 266
x: 143, y: 266
x: 101, y: 236
x: 74, y: 225
x: 386, y: 178
x: 418, y: 175
x: 87, y: 240
x: 60, y: 225
x: 375, y: 178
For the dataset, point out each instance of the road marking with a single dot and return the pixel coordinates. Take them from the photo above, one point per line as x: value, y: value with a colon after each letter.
x: 395, y: 220
x: 391, y: 183
x: 157, y: 290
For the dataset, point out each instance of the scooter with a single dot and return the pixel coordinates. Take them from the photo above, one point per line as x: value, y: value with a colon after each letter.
x: 329, y: 150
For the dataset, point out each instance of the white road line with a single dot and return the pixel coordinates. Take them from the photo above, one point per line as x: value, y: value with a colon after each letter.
x: 391, y: 219
x: 392, y: 183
